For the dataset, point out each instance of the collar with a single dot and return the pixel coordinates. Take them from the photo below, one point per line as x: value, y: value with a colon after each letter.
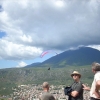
x: 76, y: 81
x: 97, y: 72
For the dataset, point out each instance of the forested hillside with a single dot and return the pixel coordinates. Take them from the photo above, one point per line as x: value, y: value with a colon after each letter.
x: 12, y: 77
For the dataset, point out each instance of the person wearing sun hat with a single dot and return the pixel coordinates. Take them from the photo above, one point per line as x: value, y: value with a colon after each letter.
x: 77, y: 73
x: 77, y: 88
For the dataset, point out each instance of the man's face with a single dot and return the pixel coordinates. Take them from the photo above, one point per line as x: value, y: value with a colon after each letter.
x: 75, y: 77
x: 93, y: 71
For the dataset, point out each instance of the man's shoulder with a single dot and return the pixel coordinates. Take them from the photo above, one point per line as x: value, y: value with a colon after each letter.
x: 79, y: 83
x: 97, y: 74
x: 46, y: 94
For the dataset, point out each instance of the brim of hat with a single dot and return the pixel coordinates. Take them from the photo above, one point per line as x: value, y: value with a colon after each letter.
x: 75, y: 73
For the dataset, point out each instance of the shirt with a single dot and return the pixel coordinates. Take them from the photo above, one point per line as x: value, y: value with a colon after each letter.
x: 93, y: 87
x: 77, y: 86
x: 47, y: 96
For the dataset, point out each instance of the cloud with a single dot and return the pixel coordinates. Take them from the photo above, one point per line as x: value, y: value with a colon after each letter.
x: 21, y: 64
x: 94, y: 46
x: 1, y: 8
x: 12, y: 51
x: 32, y: 26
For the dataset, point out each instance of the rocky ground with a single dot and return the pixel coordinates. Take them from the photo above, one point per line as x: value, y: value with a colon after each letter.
x: 32, y: 92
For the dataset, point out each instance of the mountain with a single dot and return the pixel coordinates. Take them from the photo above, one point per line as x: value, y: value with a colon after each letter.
x: 79, y: 57
x: 61, y: 66
x: 34, y: 64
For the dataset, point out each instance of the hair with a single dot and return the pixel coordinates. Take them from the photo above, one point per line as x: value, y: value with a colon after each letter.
x: 45, y: 85
x: 96, y: 66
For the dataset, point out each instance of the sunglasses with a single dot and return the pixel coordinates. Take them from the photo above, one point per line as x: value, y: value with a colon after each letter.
x: 75, y: 75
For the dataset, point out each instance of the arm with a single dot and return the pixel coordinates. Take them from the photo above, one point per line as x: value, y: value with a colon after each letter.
x: 74, y: 93
x: 98, y: 85
x: 97, y: 88
x: 85, y: 87
x: 77, y: 90
x: 96, y: 92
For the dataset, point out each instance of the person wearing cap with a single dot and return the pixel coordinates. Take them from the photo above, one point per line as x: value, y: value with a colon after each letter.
x: 95, y: 88
x: 77, y: 88
x: 46, y: 95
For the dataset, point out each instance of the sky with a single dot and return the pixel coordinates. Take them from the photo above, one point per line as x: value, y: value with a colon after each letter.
x: 30, y: 27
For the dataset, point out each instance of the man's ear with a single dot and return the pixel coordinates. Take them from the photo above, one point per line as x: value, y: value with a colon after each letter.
x: 93, y: 70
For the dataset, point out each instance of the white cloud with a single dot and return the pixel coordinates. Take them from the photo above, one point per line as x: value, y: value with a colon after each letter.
x: 59, y: 3
x: 32, y: 26
x: 21, y: 64
x: 12, y: 51
x: 95, y: 47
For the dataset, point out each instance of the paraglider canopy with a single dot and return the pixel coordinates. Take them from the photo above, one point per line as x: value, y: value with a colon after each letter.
x: 46, y: 52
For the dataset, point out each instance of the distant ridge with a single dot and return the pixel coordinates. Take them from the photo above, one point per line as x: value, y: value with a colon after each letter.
x: 33, y: 64
x: 78, y: 57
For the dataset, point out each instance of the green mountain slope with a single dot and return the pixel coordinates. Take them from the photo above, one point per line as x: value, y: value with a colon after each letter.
x: 61, y: 66
x: 80, y: 57
x: 13, y: 77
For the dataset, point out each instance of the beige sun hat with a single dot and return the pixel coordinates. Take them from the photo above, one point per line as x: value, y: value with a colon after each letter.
x: 75, y: 72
